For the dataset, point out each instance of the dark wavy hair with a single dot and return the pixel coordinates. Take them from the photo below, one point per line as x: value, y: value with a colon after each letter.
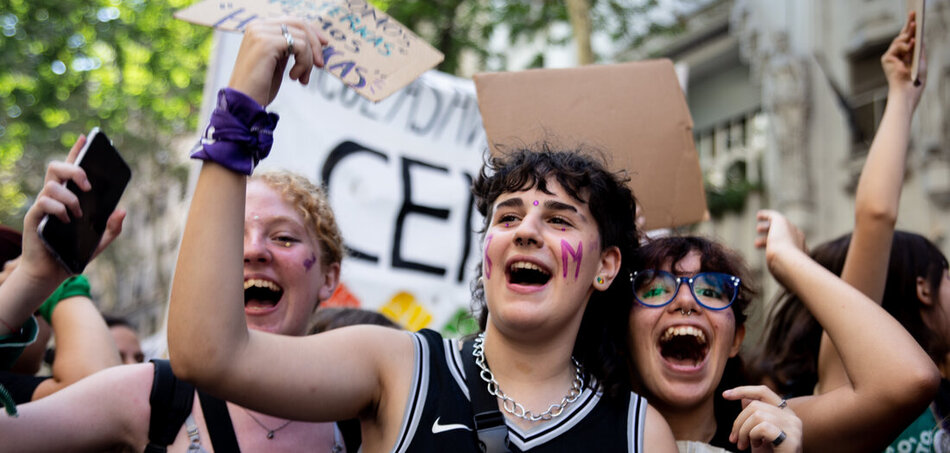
x: 789, y: 355
x: 601, y: 345
x: 713, y: 257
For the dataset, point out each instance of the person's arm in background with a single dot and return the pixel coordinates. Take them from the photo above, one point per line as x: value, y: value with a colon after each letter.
x: 83, y: 342
x: 878, y: 193
x: 38, y: 273
x: 892, y: 378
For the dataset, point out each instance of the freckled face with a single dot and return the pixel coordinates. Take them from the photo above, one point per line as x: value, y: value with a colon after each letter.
x: 541, y: 256
x: 680, y: 359
x: 284, y: 277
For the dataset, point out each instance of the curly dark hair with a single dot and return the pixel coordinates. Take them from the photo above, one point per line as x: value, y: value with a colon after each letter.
x: 713, y: 257
x: 601, y: 345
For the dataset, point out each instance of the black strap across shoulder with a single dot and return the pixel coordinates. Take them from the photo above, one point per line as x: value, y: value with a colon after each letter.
x: 171, y: 400
x: 218, y: 420
x: 489, y: 422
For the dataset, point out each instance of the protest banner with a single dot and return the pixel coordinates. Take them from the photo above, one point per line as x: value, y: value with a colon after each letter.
x: 367, y: 50
x: 635, y: 113
x: 398, y: 174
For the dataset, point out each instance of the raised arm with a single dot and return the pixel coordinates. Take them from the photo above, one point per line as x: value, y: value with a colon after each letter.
x: 38, y: 273
x: 892, y: 378
x: 331, y: 376
x: 878, y: 193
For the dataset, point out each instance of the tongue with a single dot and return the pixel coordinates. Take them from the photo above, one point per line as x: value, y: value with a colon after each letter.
x: 258, y: 305
x: 686, y: 362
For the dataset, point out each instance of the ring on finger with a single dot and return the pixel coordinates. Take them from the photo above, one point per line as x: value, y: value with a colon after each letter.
x: 288, y: 37
x: 778, y: 440
x: 783, y: 404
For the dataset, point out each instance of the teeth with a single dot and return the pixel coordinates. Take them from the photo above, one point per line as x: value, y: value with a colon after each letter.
x: 684, y: 330
x: 527, y: 266
x: 256, y: 282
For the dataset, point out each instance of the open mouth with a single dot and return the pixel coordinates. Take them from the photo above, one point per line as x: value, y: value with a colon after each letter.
x: 261, y: 294
x: 683, y: 345
x: 528, y: 274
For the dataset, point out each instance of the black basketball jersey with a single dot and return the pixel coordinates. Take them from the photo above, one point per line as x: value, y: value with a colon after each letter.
x: 439, y: 413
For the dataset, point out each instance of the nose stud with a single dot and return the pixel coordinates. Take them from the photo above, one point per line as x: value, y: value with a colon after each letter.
x: 685, y: 312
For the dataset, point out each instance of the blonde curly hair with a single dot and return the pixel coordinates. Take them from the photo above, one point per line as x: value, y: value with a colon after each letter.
x: 311, y: 202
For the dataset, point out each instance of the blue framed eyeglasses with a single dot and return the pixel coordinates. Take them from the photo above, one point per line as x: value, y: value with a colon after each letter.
x: 712, y: 290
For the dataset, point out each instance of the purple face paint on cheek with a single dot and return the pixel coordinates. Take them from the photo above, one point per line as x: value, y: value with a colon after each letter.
x: 577, y: 255
x: 309, y: 262
x: 487, y: 259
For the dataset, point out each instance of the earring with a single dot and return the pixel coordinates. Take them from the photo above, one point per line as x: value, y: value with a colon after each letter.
x: 600, y: 280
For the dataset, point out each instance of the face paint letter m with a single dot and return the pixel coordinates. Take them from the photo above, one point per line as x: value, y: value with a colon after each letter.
x: 577, y: 255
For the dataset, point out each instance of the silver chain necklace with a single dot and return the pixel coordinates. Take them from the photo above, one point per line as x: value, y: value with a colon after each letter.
x: 515, y: 408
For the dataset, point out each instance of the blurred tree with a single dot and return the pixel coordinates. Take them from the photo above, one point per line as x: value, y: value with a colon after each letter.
x: 67, y: 65
x: 457, y: 27
x: 130, y: 68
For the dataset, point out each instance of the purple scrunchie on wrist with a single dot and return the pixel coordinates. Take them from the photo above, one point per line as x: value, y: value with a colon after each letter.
x: 239, y: 134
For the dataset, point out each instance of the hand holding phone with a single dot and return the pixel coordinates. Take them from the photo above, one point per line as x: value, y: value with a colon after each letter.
x: 74, y: 243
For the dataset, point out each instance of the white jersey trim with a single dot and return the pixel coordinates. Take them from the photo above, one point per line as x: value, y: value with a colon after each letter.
x: 418, y: 392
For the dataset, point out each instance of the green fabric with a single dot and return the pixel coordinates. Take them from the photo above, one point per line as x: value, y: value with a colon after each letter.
x: 918, y: 437
x: 12, y: 345
x: 76, y: 285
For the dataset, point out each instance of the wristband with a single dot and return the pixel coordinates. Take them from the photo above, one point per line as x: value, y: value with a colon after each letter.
x: 76, y: 285
x: 239, y: 134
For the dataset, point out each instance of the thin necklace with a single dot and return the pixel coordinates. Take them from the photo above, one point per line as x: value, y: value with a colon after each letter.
x: 515, y: 408
x: 270, y: 432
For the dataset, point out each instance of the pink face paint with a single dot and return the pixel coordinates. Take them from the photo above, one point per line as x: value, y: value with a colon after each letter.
x: 487, y: 260
x: 577, y: 255
x: 309, y: 262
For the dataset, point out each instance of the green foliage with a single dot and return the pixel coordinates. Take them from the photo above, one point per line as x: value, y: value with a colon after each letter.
x: 456, y: 26
x: 126, y: 66
x: 730, y: 196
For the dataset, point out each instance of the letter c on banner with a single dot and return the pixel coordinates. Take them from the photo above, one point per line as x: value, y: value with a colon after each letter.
x: 342, y: 151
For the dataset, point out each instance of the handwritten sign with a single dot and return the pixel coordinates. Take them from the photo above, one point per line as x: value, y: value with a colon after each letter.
x: 367, y: 50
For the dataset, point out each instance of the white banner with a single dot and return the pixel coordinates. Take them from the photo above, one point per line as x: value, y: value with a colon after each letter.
x: 398, y: 175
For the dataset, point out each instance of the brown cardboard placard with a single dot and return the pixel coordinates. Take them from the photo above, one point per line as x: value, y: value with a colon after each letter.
x: 634, y: 112
x: 918, y: 7
x: 367, y: 50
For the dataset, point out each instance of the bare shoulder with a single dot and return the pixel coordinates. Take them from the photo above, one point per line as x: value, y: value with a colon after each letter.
x: 657, y: 434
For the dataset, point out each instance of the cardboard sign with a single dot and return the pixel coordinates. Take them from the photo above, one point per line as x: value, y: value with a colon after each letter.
x: 634, y: 112
x: 917, y: 6
x: 367, y: 50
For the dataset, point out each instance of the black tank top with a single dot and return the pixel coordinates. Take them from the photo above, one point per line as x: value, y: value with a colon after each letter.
x: 439, y: 415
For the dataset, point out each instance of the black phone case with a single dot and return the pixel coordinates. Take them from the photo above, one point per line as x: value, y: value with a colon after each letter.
x: 74, y: 243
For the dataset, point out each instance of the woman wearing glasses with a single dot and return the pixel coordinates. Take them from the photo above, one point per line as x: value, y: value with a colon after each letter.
x: 687, y: 325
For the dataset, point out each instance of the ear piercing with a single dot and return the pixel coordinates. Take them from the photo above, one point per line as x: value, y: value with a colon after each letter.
x: 600, y: 280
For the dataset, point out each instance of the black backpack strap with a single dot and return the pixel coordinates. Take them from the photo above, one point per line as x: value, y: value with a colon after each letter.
x: 489, y: 422
x: 218, y: 420
x: 171, y: 401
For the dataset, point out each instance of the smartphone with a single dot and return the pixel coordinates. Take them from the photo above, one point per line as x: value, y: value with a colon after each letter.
x: 74, y: 243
